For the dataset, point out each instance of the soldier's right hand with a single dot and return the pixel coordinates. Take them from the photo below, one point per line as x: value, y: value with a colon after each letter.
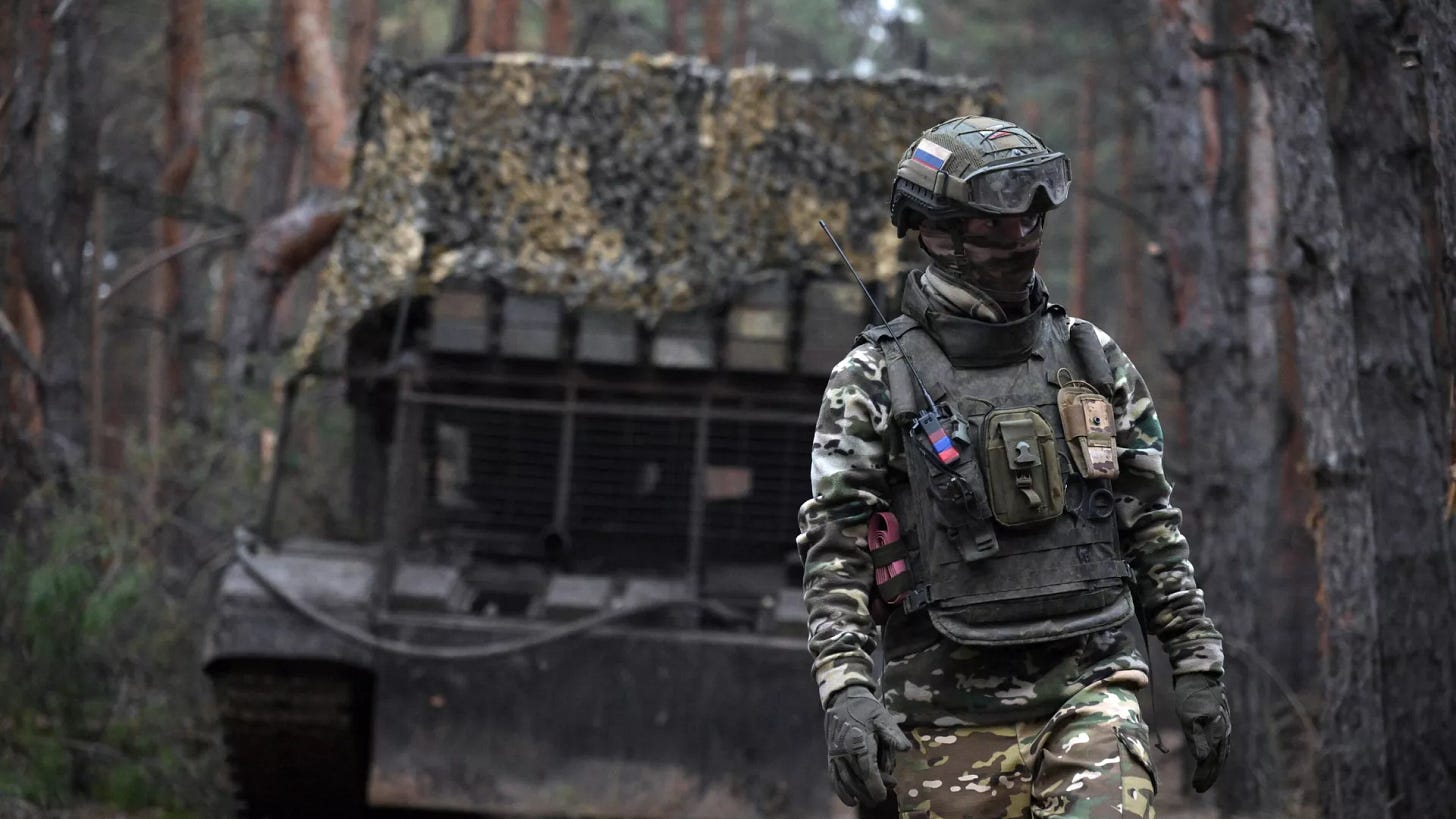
x: 863, y: 739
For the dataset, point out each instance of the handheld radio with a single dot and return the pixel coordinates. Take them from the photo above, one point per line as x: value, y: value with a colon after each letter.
x: 928, y: 421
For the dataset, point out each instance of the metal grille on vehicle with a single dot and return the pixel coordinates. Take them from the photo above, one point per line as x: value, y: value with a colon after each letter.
x: 620, y: 482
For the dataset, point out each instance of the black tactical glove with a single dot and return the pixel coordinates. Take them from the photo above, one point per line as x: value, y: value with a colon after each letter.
x: 862, y: 738
x: 1204, y: 711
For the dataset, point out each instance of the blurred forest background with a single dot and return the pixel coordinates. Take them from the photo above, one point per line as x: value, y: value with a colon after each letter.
x: 1264, y: 215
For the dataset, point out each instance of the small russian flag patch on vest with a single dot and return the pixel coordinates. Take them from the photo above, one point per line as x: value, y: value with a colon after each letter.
x: 944, y: 449
x: 930, y: 155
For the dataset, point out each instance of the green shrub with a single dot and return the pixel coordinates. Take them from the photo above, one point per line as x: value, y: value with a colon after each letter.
x: 104, y: 591
x: 99, y: 686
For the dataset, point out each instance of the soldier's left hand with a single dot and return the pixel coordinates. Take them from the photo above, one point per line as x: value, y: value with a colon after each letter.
x: 1204, y: 711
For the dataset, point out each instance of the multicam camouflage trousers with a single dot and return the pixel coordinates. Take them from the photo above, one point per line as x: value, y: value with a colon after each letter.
x: 1089, y: 760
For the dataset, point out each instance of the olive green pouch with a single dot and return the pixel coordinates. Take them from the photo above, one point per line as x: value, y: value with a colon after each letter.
x: 1091, y: 435
x: 1019, y: 456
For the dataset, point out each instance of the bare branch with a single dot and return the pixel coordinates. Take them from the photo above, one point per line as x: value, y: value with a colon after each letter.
x: 284, y: 244
x: 161, y: 257
x: 253, y: 105
x: 1142, y: 220
x: 1212, y: 51
x: 174, y: 205
x: 12, y: 339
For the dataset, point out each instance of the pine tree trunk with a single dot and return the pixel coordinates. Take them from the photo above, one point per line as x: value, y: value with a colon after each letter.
x: 1405, y: 405
x: 317, y: 90
x: 475, y: 20
x: 181, y: 145
x: 289, y: 240
x: 52, y: 230
x: 1313, y: 256
x: 505, y: 23
x: 29, y: 69
x: 1131, y: 323
x: 1251, y: 779
x: 64, y: 311
x: 20, y: 409
x: 1082, y: 205
x: 1201, y: 228
x: 363, y: 36
x: 743, y: 17
x: 558, y: 27
x: 96, y: 355
x: 270, y: 189
x: 713, y: 31
x: 1434, y: 23
x: 677, y: 11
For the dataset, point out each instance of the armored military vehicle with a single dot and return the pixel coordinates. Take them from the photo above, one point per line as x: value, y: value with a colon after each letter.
x: 585, y: 314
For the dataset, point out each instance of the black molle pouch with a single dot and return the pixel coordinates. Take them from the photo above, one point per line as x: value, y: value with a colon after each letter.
x: 957, y: 501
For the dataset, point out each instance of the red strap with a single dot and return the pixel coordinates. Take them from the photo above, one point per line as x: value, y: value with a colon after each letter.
x: 884, y: 530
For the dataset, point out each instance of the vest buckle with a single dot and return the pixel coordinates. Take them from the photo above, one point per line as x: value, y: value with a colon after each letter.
x: 916, y: 599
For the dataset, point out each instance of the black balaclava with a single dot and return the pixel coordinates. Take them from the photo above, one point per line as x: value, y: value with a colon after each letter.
x: 1001, y: 268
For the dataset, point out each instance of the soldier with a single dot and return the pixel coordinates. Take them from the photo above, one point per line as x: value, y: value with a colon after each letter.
x: 988, y: 486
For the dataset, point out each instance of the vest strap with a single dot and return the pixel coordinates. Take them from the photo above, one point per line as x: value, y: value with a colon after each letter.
x: 1093, y: 360
x: 1029, y: 585
x: 889, y: 553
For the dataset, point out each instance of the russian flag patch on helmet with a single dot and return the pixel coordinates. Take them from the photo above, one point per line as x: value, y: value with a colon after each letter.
x: 930, y: 155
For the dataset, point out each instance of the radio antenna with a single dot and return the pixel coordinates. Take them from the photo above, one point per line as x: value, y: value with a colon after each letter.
x: 929, y: 402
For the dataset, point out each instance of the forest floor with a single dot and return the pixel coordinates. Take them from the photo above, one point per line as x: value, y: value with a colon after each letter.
x: 1175, y: 800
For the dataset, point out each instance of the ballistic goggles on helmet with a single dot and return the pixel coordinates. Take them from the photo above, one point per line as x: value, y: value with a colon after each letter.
x: 1016, y: 186
x: 1038, y: 183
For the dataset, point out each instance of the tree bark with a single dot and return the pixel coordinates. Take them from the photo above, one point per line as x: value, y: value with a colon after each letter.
x: 182, y: 140
x: 1131, y: 324
x: 475, y: 16
x: 713, y: 31
x: 22, y: 391
x: 96, y: 371
x: 363, y: 37
x: 20, y: 374
x: 677, y: 11
x: 32, y: 72
x: 291, y: 239
x: 1404, y: 404
x: 250, y: 303
x: 1434, y: 24
x: 505, y: 24
x: 1084, y: 174
x: 1252, y: 784
x: 317, y: 91
x: 1201, y: 230
x: 558, y: 27
x: 52, y: 231
x: 67, y: 322
x: 1313, y: 256
x: 743, y: 17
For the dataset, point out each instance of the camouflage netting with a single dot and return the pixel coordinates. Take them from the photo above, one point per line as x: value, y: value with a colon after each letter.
x: 650, y: 186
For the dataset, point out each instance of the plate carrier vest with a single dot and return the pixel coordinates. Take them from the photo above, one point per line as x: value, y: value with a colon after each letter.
x: 983, y: 582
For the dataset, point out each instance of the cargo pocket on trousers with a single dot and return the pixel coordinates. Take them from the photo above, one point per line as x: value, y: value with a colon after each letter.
x: 1139, y: 781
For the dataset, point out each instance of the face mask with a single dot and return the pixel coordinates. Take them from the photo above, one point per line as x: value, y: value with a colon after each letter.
x: 996, y: 260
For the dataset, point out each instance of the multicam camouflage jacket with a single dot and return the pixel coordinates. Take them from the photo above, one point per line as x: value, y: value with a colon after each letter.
x: 857, y: 447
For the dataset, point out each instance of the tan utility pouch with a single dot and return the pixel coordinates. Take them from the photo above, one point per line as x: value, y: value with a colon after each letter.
x: 1020, y: 463
x: 1091, y: 434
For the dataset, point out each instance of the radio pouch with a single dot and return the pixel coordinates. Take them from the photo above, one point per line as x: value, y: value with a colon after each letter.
x: 1019, y: 456
x: 1091, y: 436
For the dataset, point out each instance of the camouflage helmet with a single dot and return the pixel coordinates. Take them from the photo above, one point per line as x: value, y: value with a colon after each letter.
x: 970, y: 165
